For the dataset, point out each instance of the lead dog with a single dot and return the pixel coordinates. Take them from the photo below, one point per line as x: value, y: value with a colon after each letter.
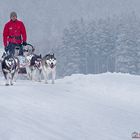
x: 49, y: 67
x: 10, y: 66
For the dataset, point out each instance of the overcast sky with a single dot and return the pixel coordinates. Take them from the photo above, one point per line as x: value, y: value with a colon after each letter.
x: 46, y: 18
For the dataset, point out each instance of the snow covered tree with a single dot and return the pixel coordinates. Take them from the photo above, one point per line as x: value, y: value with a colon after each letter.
x: 104, y: 45
x: 127, y: 45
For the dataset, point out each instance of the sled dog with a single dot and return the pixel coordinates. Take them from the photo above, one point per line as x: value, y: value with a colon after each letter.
x: 34, y: 69
x: 10, y: 66
x: 49, y: 67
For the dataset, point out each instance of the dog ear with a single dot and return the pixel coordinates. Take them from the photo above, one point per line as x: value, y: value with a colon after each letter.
x: 47, y: 55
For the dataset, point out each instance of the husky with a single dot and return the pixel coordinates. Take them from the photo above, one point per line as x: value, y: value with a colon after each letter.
x: 34, y: 68
x: 10, y: 66
x: 49, y: 67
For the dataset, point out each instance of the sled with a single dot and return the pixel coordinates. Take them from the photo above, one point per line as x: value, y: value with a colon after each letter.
x: 27, y: 50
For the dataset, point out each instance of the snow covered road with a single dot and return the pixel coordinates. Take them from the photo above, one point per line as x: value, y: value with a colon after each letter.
x: 79, y: 107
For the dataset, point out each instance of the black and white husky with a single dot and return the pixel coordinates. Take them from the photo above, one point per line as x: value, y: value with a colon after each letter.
x: 10, y: 66
x: 34, y: 69
x: 49, y: 67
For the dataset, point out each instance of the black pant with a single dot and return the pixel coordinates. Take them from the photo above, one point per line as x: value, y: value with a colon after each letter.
x: 12, y: 46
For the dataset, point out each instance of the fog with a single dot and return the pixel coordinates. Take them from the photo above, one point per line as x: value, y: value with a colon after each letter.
x: 46, y: 19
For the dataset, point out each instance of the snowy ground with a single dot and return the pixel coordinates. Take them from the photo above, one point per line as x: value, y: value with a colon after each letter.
x: 79, y: 107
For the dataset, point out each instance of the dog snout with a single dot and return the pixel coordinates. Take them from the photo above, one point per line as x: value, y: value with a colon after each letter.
x: 51, y: 65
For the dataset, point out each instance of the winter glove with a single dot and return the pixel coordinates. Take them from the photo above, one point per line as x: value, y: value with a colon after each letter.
x: 24, y: 43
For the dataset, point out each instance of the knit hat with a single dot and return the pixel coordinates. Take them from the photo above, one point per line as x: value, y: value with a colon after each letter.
x: 12, y: 14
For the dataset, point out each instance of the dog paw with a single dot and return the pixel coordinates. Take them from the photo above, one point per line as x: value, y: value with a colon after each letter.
x: 11, y: 84
x: 6, y: 84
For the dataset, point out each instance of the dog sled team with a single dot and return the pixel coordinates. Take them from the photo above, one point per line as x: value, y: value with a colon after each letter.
x: 20, y: 57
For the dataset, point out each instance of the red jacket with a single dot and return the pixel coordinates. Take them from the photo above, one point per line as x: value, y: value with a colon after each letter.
x: 14, y: 32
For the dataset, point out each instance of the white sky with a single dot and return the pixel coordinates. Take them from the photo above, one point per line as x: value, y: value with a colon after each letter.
x: 46, y: 18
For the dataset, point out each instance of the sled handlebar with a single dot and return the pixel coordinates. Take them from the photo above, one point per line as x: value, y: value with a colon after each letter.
x: 33, y: 49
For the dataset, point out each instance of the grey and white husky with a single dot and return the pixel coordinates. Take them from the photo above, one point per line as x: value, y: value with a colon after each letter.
x: 49, y: 67
x: 34, y: 68
x: 10, y: 66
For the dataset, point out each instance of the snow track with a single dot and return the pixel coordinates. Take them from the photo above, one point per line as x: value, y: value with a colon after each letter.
x: 79, y: 107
